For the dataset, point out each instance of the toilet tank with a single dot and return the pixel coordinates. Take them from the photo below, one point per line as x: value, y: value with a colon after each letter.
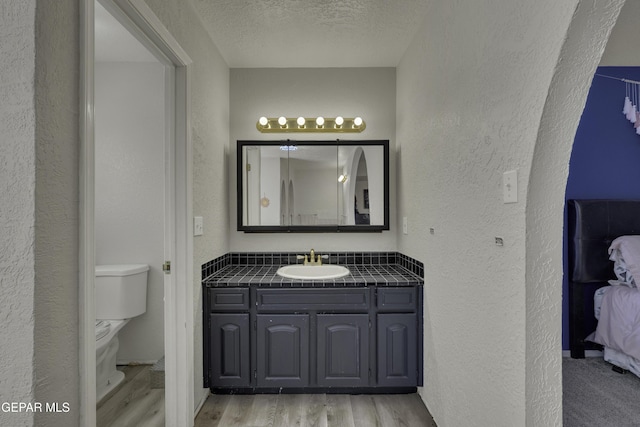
x: 121, y: 291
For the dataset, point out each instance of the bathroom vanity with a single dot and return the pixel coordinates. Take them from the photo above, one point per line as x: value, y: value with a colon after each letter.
x: 360, y: 333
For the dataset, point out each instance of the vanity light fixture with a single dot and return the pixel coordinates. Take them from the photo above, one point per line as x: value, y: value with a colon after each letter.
x: 316, y: 124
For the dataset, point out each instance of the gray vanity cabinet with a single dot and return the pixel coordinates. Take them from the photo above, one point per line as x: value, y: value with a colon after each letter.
x: 261, y: 339
x: 283, y: 350
x: 343, y: 350
x: 230, y: 350
x: 397, y: 340
x: 228, y: 342
x: 397, y: 353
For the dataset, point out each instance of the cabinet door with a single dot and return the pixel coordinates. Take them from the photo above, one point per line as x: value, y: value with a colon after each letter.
x: 343, y: 350
x: 283, y: 350
x: 397, y: 350
x: 229, y: 349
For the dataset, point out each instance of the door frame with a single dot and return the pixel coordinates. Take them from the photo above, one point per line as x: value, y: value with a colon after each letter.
x: 140, y: 20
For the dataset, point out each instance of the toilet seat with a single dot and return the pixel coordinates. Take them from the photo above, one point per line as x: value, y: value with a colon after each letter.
x: 114, y: 328
x: 102, y: 328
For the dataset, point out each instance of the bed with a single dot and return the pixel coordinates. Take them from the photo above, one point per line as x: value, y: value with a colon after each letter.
x: 592, y: 227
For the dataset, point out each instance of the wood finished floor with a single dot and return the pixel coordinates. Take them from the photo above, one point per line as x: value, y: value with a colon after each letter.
x: 133, y: 403
x: 321, y: 410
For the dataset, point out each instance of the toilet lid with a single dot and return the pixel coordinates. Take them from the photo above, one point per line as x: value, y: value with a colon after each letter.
x: 102, y: 328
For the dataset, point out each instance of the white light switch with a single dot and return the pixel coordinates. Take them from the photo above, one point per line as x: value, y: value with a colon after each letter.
x: 405, y: 225
x: 510, y: 186
x: 198, y: 228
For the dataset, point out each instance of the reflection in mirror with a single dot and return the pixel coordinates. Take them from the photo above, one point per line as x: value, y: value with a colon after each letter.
x: 312, y: 171
x: 263, y: 169
x: 363, y: 187
x: 313, y: 186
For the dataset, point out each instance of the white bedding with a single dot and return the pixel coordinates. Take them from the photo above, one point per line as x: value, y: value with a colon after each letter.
x: 625, y: 254
x: 622, y: 360
x: 617, y: 307
x: 619, y: 320
x: 612, y: 356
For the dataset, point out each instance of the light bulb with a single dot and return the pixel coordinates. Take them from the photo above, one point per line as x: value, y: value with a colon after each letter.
x: 263, y: 121
x: 357, y: 122
x: 282, y: 121
x: 320, y: 121
x: 301, y: 121
x: 342, y: 178
x: 339, y: 121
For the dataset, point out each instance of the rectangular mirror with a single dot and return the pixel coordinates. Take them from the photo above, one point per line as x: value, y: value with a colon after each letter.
x: 313, y: 186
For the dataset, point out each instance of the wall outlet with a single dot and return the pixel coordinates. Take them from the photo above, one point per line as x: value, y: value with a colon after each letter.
x: 405, y: 225
x: 198, y: 227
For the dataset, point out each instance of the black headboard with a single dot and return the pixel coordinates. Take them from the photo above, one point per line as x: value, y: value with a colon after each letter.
x: 591, y: 227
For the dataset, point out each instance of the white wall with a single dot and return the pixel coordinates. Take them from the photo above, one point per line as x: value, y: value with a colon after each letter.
x: 129, y: 202
x: 471, y: 91
x: 39, y: 209
x: 621, y: 50
x: 210, y: 134
x: 330, y: 92
x: 17, y: 210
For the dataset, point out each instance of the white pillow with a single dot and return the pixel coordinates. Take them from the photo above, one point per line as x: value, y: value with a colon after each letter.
x: 625, y: 254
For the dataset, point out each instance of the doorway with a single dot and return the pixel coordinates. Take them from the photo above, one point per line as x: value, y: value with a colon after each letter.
x: 130, y: 225
x: 168, y: 293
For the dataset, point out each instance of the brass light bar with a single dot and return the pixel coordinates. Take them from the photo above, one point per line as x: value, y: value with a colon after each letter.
x: 306, y: 124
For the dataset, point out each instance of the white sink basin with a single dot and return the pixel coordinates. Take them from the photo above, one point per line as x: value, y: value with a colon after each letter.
x: 319, y: 272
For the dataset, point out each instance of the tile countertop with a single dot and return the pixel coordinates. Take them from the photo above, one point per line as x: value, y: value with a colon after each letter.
x: 265, y: 276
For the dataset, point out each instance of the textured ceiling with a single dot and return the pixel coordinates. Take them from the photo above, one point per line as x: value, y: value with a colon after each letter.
x: 311, y: 33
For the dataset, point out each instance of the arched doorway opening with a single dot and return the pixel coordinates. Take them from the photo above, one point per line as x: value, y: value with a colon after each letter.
x: 584, y: 44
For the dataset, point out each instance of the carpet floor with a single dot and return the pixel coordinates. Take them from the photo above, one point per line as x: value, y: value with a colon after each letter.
x: 594, y: 395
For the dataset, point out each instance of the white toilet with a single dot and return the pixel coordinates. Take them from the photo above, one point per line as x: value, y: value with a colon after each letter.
x: 121, y: 293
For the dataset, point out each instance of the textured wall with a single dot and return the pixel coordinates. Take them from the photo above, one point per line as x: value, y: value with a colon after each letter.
x: 311, y: 92
x: 17, y: 209
x: 471, y: 91
x: 210, y: 134
x: 582, y: 49
x: 620, y: 50
x: 129, y: 168
x: 38, y: 281
x: 56, y: 209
